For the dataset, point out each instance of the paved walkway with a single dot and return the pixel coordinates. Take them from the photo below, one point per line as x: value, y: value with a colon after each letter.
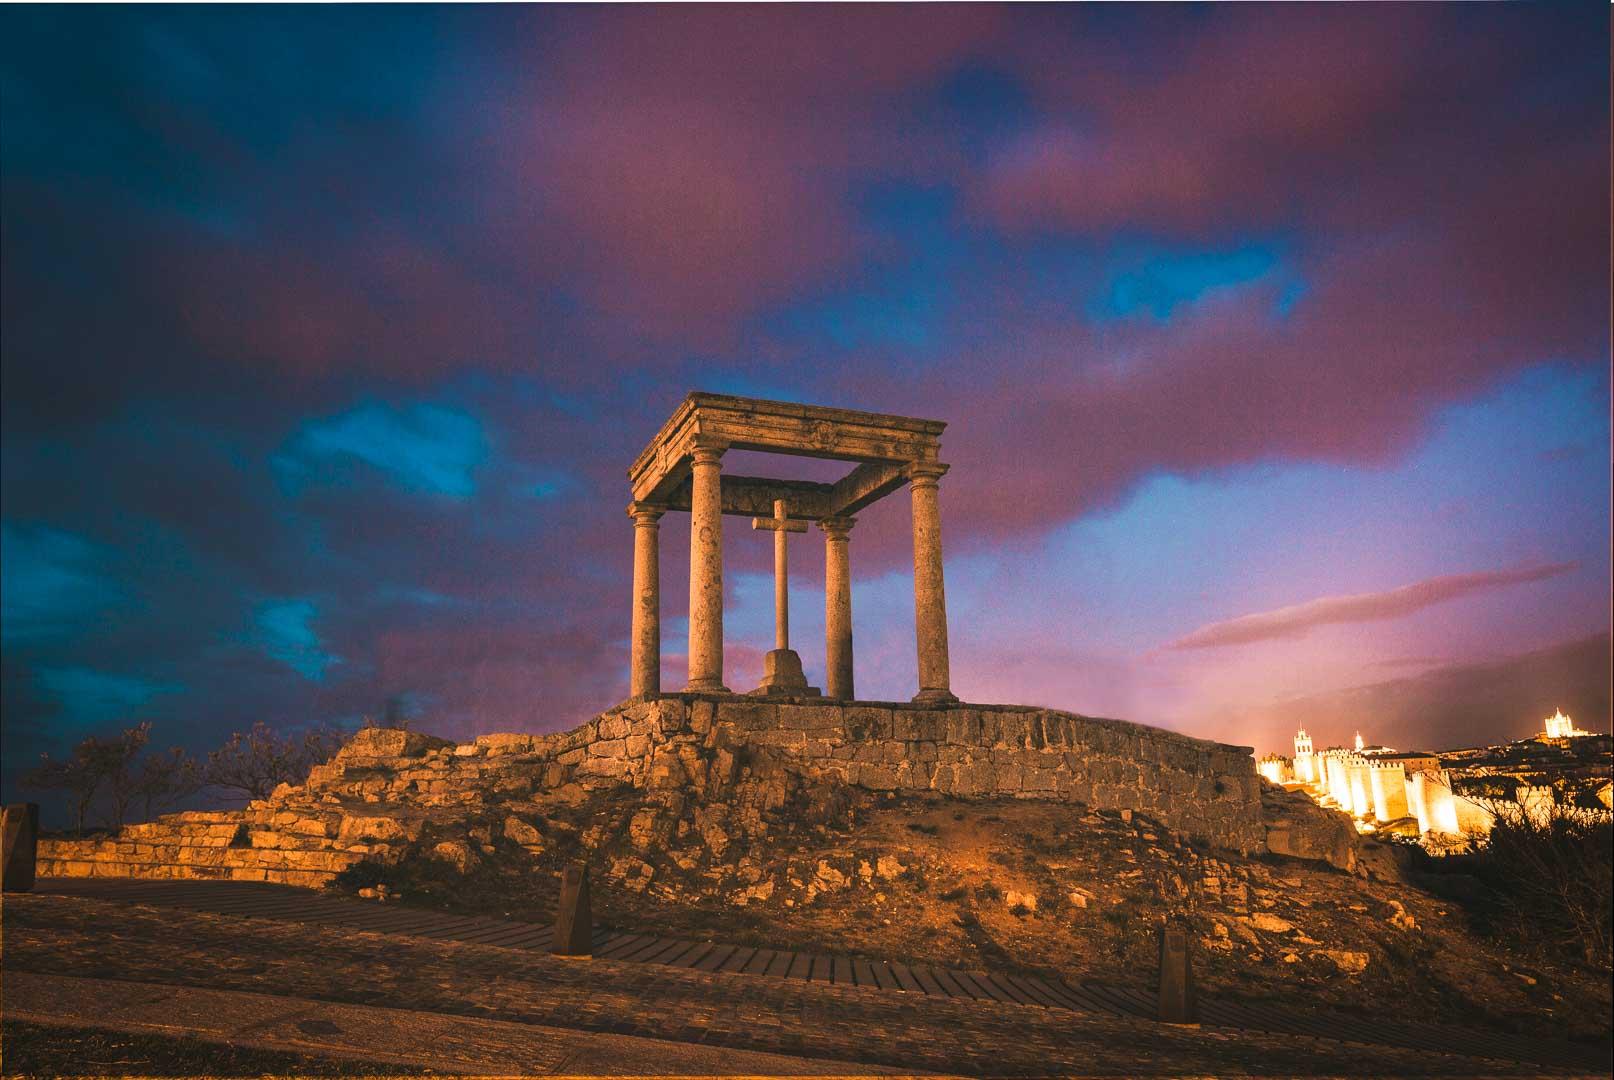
x: 281, y: 903
x: 443, y: 1043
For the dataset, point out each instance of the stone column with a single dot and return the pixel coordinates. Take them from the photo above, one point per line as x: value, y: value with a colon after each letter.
x: 781, y: 582
x: 837, y: 608
x: 929, y: 593
x: 706, y: 572
x: 645, y: 674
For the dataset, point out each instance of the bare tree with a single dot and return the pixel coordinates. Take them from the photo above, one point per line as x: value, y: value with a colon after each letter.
x: 165, y: 779
x: 119, y: 754
x: 82, y: 774
x: 255, y: 762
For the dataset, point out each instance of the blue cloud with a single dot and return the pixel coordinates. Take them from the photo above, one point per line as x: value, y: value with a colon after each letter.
x: 285, y: 632
x: 1159, y: 282
x: 93, y: 698
x: 49, y: 583
x: 903, y: 302
x: 981, y: 105
x: 422, y: 448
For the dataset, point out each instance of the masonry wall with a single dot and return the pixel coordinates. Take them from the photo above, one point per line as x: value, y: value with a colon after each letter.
x: 227, y: 845
x: 1204, y: 789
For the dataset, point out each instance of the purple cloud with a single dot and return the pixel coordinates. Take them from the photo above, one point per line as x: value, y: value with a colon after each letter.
x: 1294, y: 620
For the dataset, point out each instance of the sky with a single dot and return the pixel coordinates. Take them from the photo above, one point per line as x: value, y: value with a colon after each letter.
x: 1273, y: 344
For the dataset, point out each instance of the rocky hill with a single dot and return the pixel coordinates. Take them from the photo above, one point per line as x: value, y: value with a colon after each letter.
x: 978, y: 837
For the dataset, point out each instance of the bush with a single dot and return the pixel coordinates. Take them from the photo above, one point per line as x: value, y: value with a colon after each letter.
x: 1549, y: 875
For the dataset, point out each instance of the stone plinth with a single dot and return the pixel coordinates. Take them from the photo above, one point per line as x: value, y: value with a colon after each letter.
x: 782, y: 676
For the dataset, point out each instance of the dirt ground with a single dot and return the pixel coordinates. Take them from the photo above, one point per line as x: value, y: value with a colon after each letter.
x: 1042, y: 888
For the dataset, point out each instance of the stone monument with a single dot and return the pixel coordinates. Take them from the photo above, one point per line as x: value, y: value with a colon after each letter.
x: 681, y: 470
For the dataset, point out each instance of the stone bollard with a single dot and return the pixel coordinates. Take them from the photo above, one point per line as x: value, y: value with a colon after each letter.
x: 574, y: 919
x: 1178, y: 1003
x: 19, y: 824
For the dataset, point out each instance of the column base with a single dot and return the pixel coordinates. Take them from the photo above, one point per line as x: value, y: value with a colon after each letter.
x: 935, y: 697
x: 708, y: 687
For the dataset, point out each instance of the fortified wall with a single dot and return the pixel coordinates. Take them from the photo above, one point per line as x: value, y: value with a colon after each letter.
x: 721, y: 762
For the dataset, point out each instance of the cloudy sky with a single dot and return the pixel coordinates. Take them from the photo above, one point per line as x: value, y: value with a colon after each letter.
x: 1273, y: 344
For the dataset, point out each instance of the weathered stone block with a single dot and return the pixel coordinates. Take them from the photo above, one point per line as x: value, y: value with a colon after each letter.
x: 379, y: 742
x: 19, y: 849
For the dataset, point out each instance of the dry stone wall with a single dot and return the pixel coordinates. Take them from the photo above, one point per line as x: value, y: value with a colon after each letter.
x: 718, y: 764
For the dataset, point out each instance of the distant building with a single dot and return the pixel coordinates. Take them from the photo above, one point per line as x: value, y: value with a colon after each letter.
x: 1305, y: 764
x: 1276, y: 769
x: 1559, y: 726
x: 1415, y: 792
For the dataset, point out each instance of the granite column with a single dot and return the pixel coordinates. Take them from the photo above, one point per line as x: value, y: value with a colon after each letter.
x: 929, y: 592
x: 837, y: 608
x: 645, y: 676
x: 706, y: 572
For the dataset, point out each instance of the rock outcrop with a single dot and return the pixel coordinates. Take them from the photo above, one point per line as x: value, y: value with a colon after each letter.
x: 1296, y: 826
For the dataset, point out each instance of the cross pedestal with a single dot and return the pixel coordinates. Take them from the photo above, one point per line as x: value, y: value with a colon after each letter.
x: 782, y: 675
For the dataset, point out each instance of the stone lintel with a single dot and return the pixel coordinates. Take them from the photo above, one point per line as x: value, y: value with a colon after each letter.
x: 780, y: 428
x: 753, y: 496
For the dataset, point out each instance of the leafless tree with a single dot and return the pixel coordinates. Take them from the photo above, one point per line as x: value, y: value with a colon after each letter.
x: 255, y: 762
x: 94, y: 763
x: 164, y: 779
x: 121, y: 775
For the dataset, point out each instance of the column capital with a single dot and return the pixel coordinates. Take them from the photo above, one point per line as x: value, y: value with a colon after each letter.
x: 926, y: 473
x: 645, y: 515
x: 837, y: 528
x: 705, y: 450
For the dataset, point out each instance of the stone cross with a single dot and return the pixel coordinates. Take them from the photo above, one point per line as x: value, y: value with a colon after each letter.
x: 780, y: 525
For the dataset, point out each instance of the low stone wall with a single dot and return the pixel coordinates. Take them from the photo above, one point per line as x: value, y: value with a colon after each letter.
x: 718, y: 762
x: 227, y: 845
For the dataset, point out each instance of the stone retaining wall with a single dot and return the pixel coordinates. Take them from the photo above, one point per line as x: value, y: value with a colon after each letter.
x: 232, y: 845
x: 1207, y: 790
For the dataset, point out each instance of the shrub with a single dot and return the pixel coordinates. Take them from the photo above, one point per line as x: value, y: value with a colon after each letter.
x: 1549, y: 873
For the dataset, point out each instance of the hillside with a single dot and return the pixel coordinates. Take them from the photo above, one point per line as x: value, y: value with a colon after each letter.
x: 694, y: 825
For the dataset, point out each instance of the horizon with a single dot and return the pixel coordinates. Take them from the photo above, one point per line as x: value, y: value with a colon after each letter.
x: 1269, y: 374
